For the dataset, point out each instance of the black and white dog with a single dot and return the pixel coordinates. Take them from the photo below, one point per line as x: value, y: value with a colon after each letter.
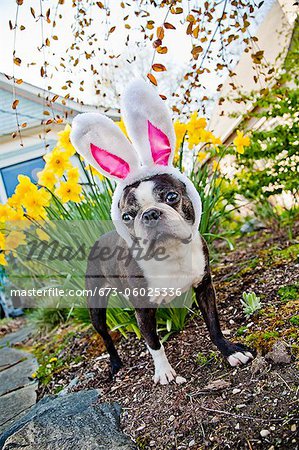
x: 156, y: 212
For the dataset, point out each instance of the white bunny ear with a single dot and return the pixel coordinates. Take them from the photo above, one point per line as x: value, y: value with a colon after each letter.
x: 148, y: 123
x: 104, y: 146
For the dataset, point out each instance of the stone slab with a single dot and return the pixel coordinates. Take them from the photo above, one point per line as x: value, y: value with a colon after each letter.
x: 16, y: 337
x: 18, y: 375
x: 15, y: 404
x: 10, y: 356
x: 74, y: 421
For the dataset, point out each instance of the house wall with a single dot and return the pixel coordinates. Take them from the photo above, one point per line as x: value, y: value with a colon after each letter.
x: 274, y: 36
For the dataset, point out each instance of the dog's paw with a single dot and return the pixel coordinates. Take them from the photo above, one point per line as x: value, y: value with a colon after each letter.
x: 240, y: 354
x: 164, y: 375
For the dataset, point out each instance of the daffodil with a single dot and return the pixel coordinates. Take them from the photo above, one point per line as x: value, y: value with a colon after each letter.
x: 43, y: 236
x: 17, y: 219
x: 215, y: 165
x: 201, y: 156
x: 73, y: 174
x: 2, y: 241
x: 5, y: 212
x: 57, y: 161
x: 69, y: 191
x: 24, y: 187
x: 180, y: 131
x: 65, y: 142
x: 36, y: 202
x: 14, y: 240
x: 241, y: 141
x: 47, y: 178
x: 195, y: 124
x: 3, y: 261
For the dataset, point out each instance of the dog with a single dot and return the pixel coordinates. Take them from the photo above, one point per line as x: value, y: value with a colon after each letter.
x: 156, y: 212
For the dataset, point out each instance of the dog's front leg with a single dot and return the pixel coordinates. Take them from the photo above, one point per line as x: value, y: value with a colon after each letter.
x: 236, y: 354
x: 164, y: 373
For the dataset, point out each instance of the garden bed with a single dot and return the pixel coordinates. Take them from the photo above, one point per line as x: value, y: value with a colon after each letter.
x: 253, y: 407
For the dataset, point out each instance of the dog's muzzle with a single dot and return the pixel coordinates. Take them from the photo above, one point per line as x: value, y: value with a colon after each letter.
x: 150, y: 218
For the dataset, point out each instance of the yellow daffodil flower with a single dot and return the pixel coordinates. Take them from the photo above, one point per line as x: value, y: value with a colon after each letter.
x: 43, y: 236
x: 47, y: 178
x: 201, y: 156
x: 3, y: 261
x: 215, y: 165
x: 241, y: 141
x: 180, y: 131
x: 25, y: 186
x: 2, y: 241
x: 64, y: 141
x: 57, y: 161
x: 69, y: 191
x: 5, y: 212
x: 36, y: 202
x: 73, y: 174
x: 14, y: 240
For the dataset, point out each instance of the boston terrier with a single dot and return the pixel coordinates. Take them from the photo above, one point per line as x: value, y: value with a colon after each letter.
x: 156, y: 252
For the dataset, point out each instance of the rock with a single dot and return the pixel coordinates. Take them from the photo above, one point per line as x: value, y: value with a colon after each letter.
x: 69, y: 387
x: 15, y: 404
x: 217, y: 385
x: 72, y: 421
x: 180, y: 380
x: 258, y: 365
x: 236, y: 391
x: 252, y: 225
x: 17, y: 337
x: 279, y: 354
x: 10, y: 356
x: 17, y: 375
x: 264, y: 433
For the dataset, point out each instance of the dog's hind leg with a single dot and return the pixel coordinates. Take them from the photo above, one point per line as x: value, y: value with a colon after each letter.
x: 236, y: 354
x: 164, y: 373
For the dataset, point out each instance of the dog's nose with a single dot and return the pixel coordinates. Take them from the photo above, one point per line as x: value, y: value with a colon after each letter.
x: 150, y: 217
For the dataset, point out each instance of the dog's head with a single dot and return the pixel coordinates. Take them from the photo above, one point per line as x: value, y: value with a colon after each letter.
x: 157, y: 208
x: 153, y: 200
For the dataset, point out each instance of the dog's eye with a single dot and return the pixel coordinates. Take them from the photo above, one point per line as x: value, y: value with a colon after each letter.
x: 172, y: 197
x: 126, y: 217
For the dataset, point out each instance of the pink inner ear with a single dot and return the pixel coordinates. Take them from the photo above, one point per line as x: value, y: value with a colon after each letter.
x: 160, y: 145
x: 112, y: 164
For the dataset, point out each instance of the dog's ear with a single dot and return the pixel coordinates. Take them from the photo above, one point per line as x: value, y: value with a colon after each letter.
x: 148, y: 123
x: 103, y: 145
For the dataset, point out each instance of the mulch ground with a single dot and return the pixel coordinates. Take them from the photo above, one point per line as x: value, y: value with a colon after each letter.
x: 11, y: 325
x: 252, y: 407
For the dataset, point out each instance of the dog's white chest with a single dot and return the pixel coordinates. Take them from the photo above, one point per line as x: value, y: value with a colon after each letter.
x: 183, y: 268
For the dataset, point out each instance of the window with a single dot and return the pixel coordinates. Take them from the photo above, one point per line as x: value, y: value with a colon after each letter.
x: 29, y: 168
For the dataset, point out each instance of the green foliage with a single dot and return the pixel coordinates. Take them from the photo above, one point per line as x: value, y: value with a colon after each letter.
x: 241, y: 331
x: 295, y: 320
x: 251, y: 303
x: 203, y: 359
x: 289, y: 292
x: 269, y: 166
x: 46, y: 318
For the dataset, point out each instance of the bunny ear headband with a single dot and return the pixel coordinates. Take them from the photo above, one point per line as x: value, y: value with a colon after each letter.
x: 150, y: 152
